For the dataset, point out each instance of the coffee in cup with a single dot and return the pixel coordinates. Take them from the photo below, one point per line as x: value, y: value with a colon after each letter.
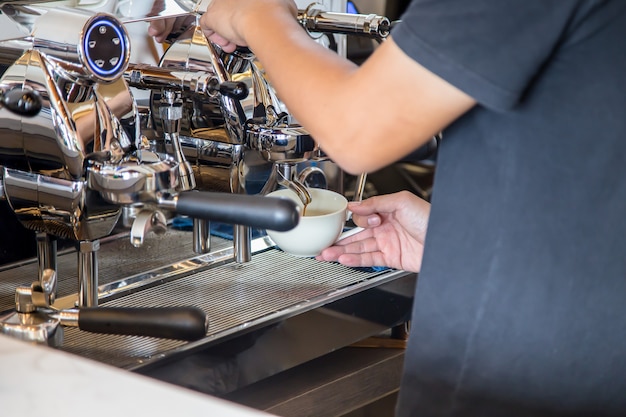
x: 320, y: 224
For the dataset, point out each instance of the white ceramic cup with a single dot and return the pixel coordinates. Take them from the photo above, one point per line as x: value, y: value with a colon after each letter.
x: 319, y: 227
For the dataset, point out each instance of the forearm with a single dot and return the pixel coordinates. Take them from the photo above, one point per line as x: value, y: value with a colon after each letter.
x: 363, y: 117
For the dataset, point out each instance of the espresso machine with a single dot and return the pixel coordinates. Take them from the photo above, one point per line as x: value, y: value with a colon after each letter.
x: 90, y: 163
x: 71, y: 168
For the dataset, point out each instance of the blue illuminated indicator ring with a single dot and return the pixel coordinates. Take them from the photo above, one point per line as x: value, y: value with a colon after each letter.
x: 105, y: 48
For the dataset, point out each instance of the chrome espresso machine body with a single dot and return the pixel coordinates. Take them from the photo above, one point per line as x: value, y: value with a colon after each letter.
x: 102, y: 169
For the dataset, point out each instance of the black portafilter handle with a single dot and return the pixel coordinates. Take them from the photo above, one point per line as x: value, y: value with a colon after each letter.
x: 248, y: 210
x: 21, y: 101
x: 179, y: 323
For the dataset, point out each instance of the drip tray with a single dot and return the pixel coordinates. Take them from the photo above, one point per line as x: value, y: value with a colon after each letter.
x: 238, y: 298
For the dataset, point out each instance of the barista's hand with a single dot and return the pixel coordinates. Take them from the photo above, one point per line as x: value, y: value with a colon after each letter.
x: 395, y: 229
x: 228, y: 23
x: 161, y: 28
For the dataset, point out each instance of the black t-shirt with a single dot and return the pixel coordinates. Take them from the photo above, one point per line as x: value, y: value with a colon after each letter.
x: 520, y: 307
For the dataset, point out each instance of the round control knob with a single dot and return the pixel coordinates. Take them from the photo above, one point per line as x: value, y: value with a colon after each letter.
x: 105, y: 48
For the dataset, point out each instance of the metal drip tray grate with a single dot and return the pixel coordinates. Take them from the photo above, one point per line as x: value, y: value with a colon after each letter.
x: 164, y: 272
x: 117, y: 259
x: 272, y: 287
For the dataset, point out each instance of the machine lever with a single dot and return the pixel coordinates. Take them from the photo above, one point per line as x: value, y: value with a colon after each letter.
x: 315, y: 19
x: 179, y: 323
x: 199, y: 82
x: 234, y: 89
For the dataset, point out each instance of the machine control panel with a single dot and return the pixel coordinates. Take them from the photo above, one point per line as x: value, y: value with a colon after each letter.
x: 105, y: 48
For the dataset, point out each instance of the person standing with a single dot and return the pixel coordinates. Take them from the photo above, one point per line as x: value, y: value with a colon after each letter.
x: 519, y: 305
